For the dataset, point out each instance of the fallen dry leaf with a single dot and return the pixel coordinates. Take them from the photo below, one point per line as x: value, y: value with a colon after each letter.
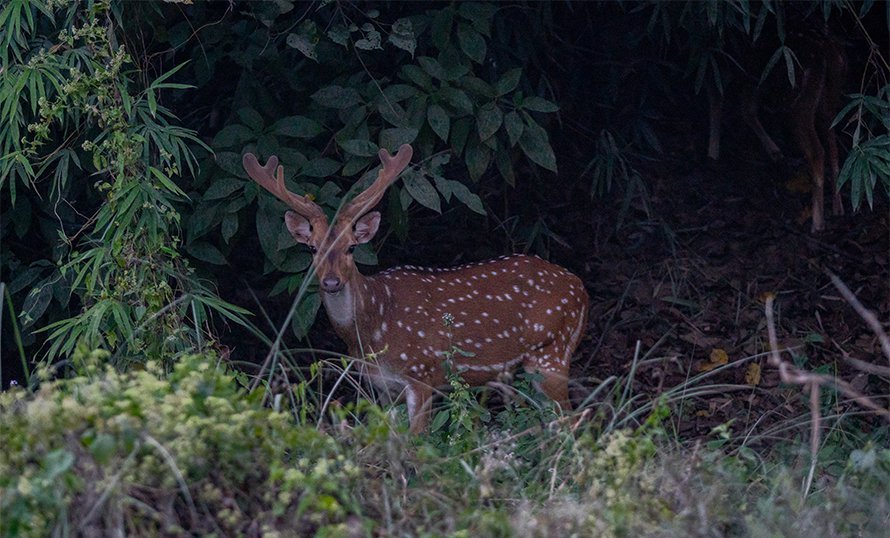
x: 719, y: 357
x: 752, y: 374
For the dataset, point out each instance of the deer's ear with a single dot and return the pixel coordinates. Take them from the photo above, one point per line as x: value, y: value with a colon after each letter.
x: 366, y: 227
x: 298, y: 227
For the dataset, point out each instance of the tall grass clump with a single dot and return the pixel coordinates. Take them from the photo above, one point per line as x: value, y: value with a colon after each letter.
x: 194, y: 453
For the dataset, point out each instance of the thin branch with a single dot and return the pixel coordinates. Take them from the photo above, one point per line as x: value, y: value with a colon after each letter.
x: 867, y: 315
x: 793, y: 375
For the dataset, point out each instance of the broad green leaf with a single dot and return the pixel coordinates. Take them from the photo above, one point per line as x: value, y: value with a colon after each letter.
x: 402, y: 35
x: 285, y: 239
x: 443, y: 186
x: 478, y: 86
x: 479, y: 14
x: 432, y: 67
x: 297, y: 127
x: 305, y: 313
x: 292, y: 160
x: 534, y: 143
x: 288, y: 283
x: 269, y: 222
x: 305, y: 39
x: 231, y: 163
x: 505, y: 166
x: 513, y: 124
x: 453, y: 64
x: 304, y: 44
x: 393, y: 113
x: 102, y: 447
x: 458, y: 99
x: 391, y: 139
x: 471, y: 200
x: 440, y: 420
x: 439, y: 121
x: 267, y: 144
x: 229, y: 226
x: 355, y: 165
x: 36, y: 303
x: 508, y: 82
x: 399, y: 92
x: 24, y: 278
x: 489, y: 120
x: 295, y: 260
x: 365, y: 255
x: 222, y: 188
x: 339, y: 34
x: 233, y: 135
x: 251, y: 118
x: 538, y: 104
x: 471, y: 43
x: 207, y: 252
x: 477, y: 158
x: 417, y: 75
x: 404, y: 199
x: 371, y: 39
x: 55, y: 463
x: 337, y: 97
x: 360, y: 148
x: 320, y: 167
x: 417, y: 113
x: 437, y: 161
x: 328, y: 193
x: 421, y: 189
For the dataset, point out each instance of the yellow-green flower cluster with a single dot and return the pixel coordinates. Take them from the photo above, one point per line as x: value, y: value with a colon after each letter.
x: 192, y: 437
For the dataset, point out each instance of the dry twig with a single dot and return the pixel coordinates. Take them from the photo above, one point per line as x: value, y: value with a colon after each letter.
x: 788, y: 373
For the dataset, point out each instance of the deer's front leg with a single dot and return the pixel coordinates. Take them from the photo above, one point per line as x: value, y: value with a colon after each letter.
x: 420, y: 398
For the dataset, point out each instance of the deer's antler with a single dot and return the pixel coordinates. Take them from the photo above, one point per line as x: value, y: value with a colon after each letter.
x: 275, y: 184
x: 393, y: 165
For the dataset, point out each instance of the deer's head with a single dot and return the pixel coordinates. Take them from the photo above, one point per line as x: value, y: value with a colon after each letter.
x: 331, y: 245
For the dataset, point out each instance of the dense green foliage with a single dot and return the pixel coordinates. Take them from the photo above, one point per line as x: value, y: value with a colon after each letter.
x: 146, y: 454
x: 79, y: 100
x: 123, y: 125
x: 74, y: 107
x: 133, y: 246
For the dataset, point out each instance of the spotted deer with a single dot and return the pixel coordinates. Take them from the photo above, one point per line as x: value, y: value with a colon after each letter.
x: 809, y: 109
x: 485, y: 318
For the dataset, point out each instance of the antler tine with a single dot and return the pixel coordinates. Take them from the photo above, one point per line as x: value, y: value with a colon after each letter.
x: 393, y: 165
x: 275, y: 184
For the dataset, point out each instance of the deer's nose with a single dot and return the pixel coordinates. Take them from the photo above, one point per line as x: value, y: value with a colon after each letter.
x: 331, y: 284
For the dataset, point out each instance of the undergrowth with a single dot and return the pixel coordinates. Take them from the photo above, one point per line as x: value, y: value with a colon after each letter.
x: 193, y: 453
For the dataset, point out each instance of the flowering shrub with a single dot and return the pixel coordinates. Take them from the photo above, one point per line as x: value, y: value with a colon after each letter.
x: 142, y: 454
x: 190, y: 452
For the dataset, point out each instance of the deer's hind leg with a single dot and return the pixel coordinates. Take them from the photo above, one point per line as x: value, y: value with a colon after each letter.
x: 553, y: 359
x: 550, y: 363
x: 419, y: 396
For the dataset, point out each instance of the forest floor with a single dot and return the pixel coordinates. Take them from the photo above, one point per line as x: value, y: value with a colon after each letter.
x: 685, y: 280
x: 684, y: 277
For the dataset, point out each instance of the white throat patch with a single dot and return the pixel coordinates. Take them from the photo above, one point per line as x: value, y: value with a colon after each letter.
x: 340, y: 306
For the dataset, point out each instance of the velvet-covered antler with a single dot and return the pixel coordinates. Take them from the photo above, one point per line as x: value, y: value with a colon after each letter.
x: 393, y: 165
x: 274, y: 183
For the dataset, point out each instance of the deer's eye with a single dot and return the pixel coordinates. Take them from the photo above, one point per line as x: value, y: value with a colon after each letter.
x: 312, y: 249
x: 351, y: 249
